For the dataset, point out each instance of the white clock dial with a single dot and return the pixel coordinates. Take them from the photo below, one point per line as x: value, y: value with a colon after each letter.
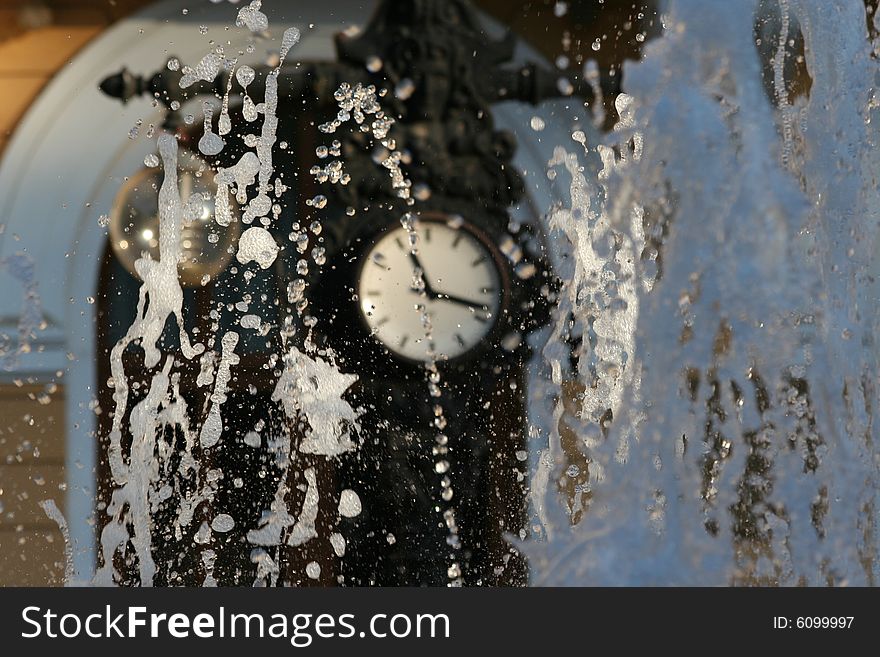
x: 462, y: 297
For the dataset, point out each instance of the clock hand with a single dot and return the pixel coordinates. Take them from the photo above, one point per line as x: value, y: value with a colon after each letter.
x: 429, y: 291
x: 459, y: 300
x: 432, y: 294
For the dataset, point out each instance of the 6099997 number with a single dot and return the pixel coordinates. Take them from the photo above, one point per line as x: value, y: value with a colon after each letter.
x: 824, y: 622
x: 814, y: 622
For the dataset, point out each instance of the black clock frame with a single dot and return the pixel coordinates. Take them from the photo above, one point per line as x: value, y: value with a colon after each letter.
x: 341, y: 313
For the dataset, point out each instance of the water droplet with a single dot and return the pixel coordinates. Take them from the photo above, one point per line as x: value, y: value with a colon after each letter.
x: 319, y: 202
x: 421, y: 192
x: 537, y: 123
x: 566, y: 88
x: 211, y: 143
x: 404, y: 89
x: 252, y: 18
x: 224, y: 124
x: 349, y: 503
x: 374, y: 64
x: 289, y: 40
x: 338, y: 542
x: 135, y: 130
x: 249, y: 110
x: 257, y: 244
x: 245, y: 75
x: 223, y: 523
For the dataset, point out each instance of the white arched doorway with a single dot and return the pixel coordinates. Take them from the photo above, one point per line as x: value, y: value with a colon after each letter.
x: 70, y: 155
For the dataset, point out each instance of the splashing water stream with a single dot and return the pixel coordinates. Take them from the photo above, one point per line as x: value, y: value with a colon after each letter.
x: 721, y: 290
x: 743, y: 449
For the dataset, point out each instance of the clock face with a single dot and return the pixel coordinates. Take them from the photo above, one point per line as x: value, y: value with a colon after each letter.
x: 462, y: 295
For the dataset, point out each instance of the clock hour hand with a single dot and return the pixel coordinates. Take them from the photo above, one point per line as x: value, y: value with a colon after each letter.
x: 429, y: 291
x: 432, y: 294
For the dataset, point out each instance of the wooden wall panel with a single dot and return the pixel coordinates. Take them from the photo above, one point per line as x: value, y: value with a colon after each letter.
x: 31, y: 470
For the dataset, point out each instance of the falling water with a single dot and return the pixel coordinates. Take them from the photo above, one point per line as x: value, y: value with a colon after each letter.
x: 725, y: 287
x: 144, y: 474
x: 310, y: 388
x: 721, y: 293
x: 30, y: 321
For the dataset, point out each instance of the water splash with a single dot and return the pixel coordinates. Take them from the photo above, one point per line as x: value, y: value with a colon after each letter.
x: 256, y: 244
x: 30, y: 320
x: 359, y: 103
x: 752, y: 383
x: 309, y: 389
x: 210, y: 142
x: 312, y: 388
x: 705, y: 386
x: 160, y: 297
x: 206, y: 70
x: 54, y: 514
x: 213, y: 425
x: 252, y: 18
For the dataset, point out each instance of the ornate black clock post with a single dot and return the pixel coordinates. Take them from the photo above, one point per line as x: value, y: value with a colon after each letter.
x: 486, y: 288
x: 440, y: 495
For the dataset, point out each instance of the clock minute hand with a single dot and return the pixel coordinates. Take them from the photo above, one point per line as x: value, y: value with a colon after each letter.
x: 432, y: 294
x: 462, y: 302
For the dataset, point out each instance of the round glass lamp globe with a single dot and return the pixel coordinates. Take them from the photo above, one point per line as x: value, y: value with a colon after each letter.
x: 206, y: 247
